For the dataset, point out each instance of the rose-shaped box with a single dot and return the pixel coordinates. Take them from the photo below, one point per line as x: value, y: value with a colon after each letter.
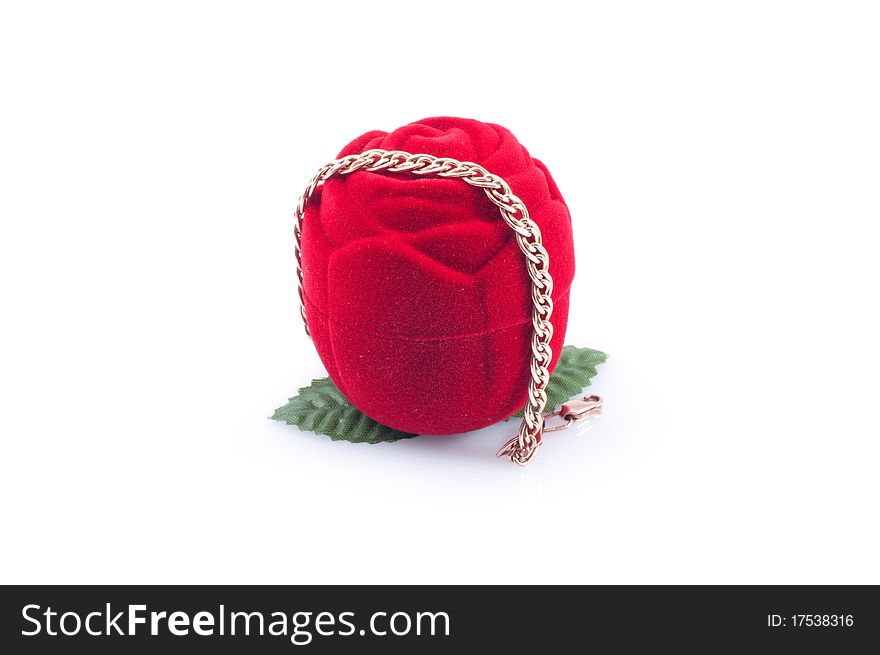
x: 417, y: 296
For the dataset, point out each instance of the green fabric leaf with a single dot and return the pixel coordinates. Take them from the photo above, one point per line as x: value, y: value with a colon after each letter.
x: 573, y: 372
x: 321, y: 408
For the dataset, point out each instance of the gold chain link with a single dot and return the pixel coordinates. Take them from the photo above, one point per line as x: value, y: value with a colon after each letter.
x: 523, y: 447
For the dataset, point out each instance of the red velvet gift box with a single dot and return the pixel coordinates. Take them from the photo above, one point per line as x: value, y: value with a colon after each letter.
x: 417, y: 296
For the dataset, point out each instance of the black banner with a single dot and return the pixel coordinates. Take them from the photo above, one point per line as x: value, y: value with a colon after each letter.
x: 114, y: 619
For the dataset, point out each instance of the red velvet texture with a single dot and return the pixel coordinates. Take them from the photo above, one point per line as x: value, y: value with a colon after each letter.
x: 417, y: 296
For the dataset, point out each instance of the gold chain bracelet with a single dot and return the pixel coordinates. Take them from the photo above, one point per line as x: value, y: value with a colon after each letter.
x: 522, y: 447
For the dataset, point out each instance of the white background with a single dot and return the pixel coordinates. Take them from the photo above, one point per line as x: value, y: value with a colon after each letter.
x: 721, y: 162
